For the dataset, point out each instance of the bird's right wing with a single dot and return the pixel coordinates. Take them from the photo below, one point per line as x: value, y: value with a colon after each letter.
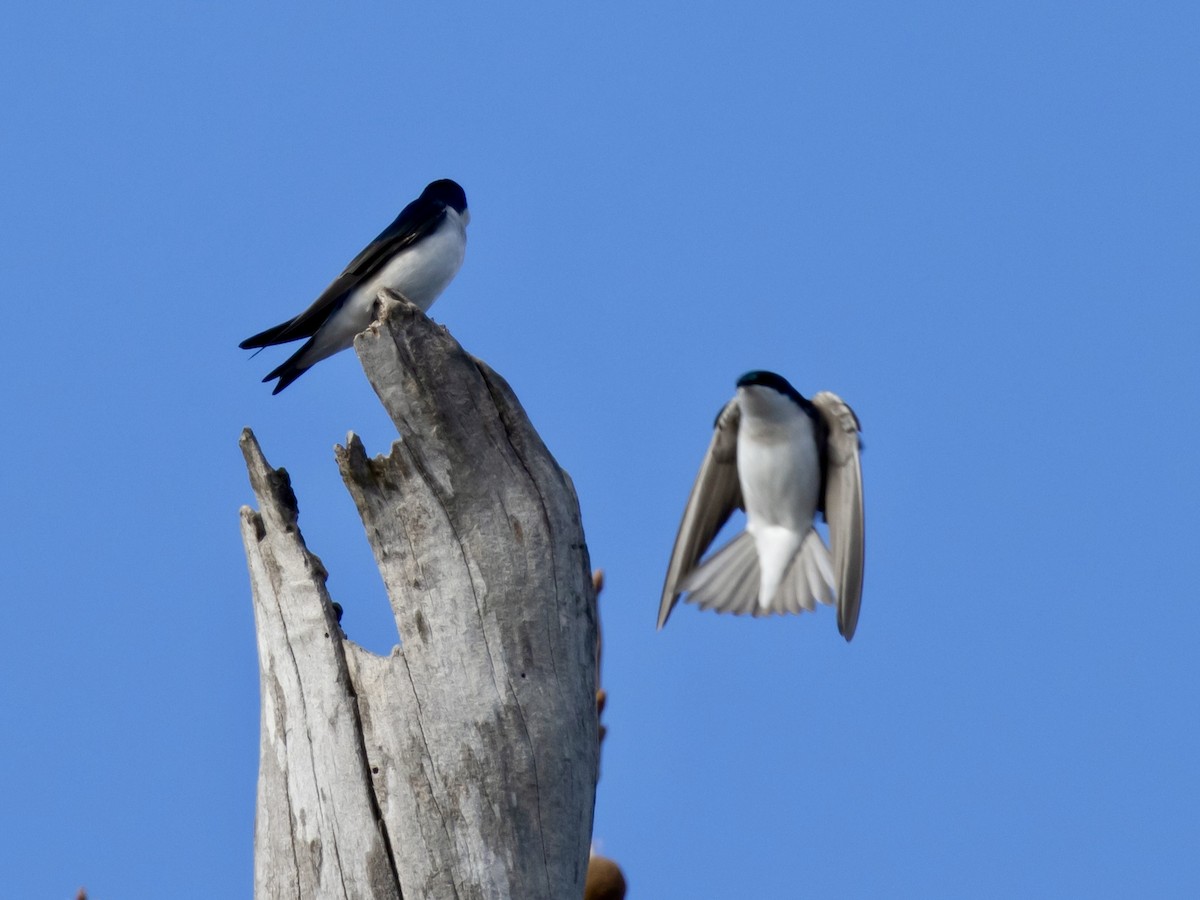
x: 844, y: 505
x: 715, y: 495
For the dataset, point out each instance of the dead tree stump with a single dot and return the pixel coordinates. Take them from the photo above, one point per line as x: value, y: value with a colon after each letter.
x: 464, y: 764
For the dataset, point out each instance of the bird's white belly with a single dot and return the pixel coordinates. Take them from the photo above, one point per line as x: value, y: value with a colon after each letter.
x: 780, y: 478
x: 422, y: 272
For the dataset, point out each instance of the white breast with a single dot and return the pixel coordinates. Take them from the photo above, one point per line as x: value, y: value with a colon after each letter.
x: 779, y: 470
x: 422, y: 272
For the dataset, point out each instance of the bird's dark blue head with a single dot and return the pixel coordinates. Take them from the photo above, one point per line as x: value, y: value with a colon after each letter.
x: 448, y: 192
x: 775, y: 382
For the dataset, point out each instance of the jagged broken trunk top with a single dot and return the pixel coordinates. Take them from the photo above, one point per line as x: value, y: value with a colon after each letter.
x: 464, y: 764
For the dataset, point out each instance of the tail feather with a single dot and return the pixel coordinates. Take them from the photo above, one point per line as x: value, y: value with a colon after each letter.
x: 793, y: 594
x: 285, y: 378
x: 289, y: 370
x: 728, y: 580
x: 745, y: 590
x: 812, y: 573
x: 787, y: 598
x: 824, y: 562
x: 814, y: 586
x: 807, y: 581
x: 267, y: 338
x: 282, y: 333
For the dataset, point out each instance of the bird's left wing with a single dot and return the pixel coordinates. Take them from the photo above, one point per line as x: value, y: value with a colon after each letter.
x: 844, y: 505
x: 715, y: 495
x: 418, y: 219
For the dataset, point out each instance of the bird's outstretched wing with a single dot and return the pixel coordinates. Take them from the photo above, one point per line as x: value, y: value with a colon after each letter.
x: 715, y: 495
x: 844, y: 505
x: 415, y: 221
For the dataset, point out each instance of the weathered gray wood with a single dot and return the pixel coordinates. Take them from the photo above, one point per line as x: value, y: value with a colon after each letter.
x: 315, y: 833
x: 471, y: 751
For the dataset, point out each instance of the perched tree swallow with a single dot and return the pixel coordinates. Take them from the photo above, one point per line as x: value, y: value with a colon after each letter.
x: 781, y: 458
x: 416, y: 256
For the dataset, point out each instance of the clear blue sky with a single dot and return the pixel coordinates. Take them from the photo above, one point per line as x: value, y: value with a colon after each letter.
x: 979, y: 223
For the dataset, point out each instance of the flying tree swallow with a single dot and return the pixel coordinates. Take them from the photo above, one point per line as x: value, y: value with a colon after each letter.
x: 782, y: 458
x: 416, y: 256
